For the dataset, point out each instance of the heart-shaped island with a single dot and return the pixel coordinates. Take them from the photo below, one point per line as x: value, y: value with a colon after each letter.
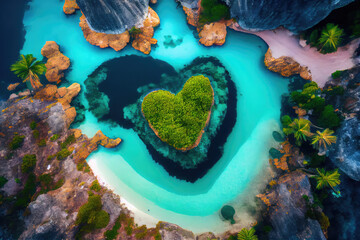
x: 180, y: 119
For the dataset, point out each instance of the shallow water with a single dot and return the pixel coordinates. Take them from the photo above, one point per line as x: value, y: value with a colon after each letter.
x: 129, y: 169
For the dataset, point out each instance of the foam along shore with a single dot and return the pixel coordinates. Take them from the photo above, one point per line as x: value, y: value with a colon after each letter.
x: 282, y: 42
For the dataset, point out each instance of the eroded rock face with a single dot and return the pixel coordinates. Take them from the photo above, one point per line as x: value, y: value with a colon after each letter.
x: 287, y: 208
x: 296, y: 15
x: 103, y: 40
x: 62, y: 98
x: 172, y: 231
x: 286, y: 66
x: 70, y: 6
x: 114, y: 17
x: 345, y: 154
x: 56, y: 63
x: 144, y: 40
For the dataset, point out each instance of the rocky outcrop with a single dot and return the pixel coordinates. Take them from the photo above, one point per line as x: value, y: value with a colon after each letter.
x: 213, y: 34
x: 345, y: 154
x: 286, y: 66
x: 114, y: 17
x: 144, y: 40
x: 294, y: 15
x: 61, y: 98
x: 192, y: 16
x: 56, y: 62
x: 103, y: 40
x: 12, y: 87
x: 172, y: 231
x: 287, y: 208
x: 70, y: 6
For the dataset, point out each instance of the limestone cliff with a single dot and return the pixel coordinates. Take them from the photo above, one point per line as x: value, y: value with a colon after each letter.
x: 142, y: 41
x: 287, y: 208
x: 103, y: 40
x: 345, y: 154
x: 114, y: 17
x: 56, y: 62
x: 296, y: 15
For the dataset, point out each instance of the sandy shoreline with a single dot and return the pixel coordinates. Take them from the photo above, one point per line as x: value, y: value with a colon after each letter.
x: 140, y: 217
x: 284, y: 43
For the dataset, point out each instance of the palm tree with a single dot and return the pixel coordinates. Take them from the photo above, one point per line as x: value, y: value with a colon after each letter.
x: 330, y: 38
x: 28, y: 69
x: 323, y: 139
x: 327, y: 179
x: 245, y: 234
x: 300, y: 127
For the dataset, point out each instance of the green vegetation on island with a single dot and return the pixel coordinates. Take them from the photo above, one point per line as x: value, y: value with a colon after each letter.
x: 213, y: 11
x: 91, y: 216
x: 180, y: 119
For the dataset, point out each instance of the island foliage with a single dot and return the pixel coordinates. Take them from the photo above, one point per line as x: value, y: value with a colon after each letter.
x: 180, y: 119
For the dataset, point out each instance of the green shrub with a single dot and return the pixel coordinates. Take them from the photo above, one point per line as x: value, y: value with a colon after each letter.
x: 134, y: 31
x: 129, y: 226
x: 329, y: 118
x: 213, y: 11
x: 315, y: 103
x: 335, y: 91
x: 58, y: 184
x: 91, y: 216
x: 313, y: 38
x: 80, y: 166
x: 51, y: 157
x: 336, y: 74
x: 112, y: 234
x: 323, y: 220
x: 16, y: 142
x: 54, y: 137
x: 42, y: 143
x: 3, y: 180
x: 68, y: 141
x: 29, y: 162
x: 179, y: 119
x: 17, y: 180
x: 141, y: 232
x: 33, y: 125
x: 24, y: 197
x: 45, y: 179
x: 285, y: 121
x: 63, y: 153
x: 36, y: 134
x: 157, y: 236
x: 95, y: 186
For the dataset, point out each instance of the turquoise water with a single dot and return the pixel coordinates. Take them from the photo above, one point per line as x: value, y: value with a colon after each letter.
x: 129, y: 169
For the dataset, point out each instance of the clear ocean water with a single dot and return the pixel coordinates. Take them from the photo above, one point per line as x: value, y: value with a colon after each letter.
x: 129, y: 169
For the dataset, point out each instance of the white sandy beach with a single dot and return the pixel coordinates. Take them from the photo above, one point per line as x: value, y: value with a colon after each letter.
x: 140, y: 217
x: 283, y: 43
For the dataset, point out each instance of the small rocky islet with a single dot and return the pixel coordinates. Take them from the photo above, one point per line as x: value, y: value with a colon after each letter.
x: 49, y: 191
